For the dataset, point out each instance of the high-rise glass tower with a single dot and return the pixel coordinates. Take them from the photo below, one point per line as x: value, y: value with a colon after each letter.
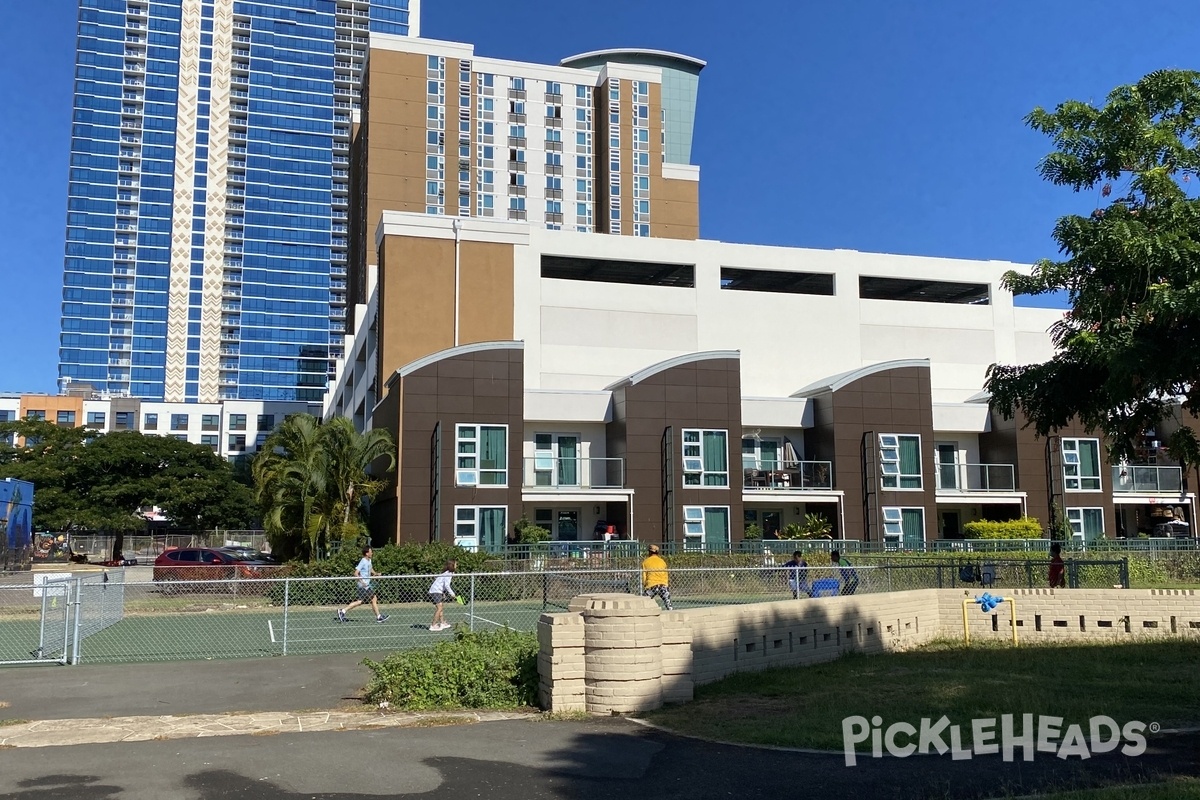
x: 208, y: 195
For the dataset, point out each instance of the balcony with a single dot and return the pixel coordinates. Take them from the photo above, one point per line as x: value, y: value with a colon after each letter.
x: 787, y: 476
x: 1134, y: 479
x: 976, y: 478
x: 551, y: 474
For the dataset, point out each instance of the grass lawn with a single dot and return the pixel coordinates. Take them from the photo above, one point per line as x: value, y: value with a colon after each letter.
x: 805, y: 706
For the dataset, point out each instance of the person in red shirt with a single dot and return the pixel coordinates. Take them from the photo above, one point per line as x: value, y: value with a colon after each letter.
x: 1057, y: 568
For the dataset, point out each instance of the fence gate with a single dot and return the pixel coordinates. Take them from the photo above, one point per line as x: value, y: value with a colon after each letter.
x: 100, y: 604
x: 42, y: 635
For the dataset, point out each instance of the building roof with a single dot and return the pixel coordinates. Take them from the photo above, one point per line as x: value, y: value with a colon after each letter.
x: 836, y: 382
x: 662, y: 366
x: 640, y: 53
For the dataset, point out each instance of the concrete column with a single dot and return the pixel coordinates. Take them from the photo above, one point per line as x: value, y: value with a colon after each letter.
x: 622, y: 652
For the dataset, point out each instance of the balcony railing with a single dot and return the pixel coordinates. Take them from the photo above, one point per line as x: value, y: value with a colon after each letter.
x: 565, y: 474
x: 782, y: 475
x: 1147, y: 479
x: 976, y: 478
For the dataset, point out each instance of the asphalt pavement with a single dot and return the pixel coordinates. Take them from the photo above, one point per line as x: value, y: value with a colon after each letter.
x: 526, y: 759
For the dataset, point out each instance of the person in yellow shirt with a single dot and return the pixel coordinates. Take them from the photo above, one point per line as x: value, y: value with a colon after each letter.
x: 654, y: 577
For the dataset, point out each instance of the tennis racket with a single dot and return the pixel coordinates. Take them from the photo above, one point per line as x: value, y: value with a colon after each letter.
x: 459, y: 599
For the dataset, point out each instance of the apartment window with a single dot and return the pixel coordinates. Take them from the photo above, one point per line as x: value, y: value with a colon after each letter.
x: 66, y: 419
x: 1081, y: 464
x: 705, y: 527
x: 179, y: 437
x: 759, y: 453
x: 37, y: 416
x: 904, y: 526
x: 123, y: 421
x: 482, y: 458
x: 1086, y: 523
x: 266, y: 422
x: 210, y: 422
x: 237, y: 442
x: 7, y: 416
x: 95, y: 419
x: 150, y: 422
x: 211, y: 440
x: 705, y: 458
x: 900, y: 461
x: 237, y: 422
x: 481, y: 527
x: 179, y: 422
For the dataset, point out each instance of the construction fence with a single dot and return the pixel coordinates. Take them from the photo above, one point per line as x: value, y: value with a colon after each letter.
x: 115, y: 617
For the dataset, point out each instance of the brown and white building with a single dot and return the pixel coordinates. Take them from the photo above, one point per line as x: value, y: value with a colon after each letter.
x: 539, y: 324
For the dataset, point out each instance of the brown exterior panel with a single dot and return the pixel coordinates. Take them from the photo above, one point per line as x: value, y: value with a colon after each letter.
x: 674, y: 208
x: 416, y: 300
x: 644, y: 412
x: 434, y: 395
x: 487, y: 295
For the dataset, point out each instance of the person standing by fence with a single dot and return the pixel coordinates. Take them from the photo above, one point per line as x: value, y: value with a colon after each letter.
x: 849, y: 573
x: 654, y: 577
x: 366, y: 589
x: 1057, y: 571
x: 797, y: 575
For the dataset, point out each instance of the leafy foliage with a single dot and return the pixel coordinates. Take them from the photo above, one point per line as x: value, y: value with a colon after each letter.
x: 312, y: 481
x: 492, y: 669
x: 753, y: 532
x: 90, y: 481
x: 1024, y: 528
x: 529, y: 533
x: 1129, y: 349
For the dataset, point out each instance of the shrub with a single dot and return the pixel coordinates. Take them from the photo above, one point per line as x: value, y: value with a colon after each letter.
x: 1023, y: 528
x: 492, y: 669
x: 753, y: 532
x: 528, y: 533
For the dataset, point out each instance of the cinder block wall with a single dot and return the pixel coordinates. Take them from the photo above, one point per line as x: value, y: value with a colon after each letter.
x: 703, y: 645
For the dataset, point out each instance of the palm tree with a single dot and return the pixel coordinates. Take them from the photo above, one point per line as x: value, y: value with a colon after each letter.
x: 289, y: 478
x: 312, y: 479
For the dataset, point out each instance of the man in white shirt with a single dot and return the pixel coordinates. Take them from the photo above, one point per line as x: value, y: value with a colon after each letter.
x: 366, y: 591
x: 439, y: 593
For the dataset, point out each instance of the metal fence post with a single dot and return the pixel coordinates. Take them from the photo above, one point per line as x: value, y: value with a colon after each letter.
x: 939, y: 576
x: 472, y: 611
x: 286, y: 600
x: 1029, y: 573
x: 1125, y: 572
x: 78, y: 604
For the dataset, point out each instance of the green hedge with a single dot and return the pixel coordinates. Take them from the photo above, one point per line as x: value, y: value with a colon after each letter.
x: 1024, y: 528
x: 493, y: 669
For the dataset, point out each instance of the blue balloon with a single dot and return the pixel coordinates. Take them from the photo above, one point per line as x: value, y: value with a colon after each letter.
x: 987, y: 603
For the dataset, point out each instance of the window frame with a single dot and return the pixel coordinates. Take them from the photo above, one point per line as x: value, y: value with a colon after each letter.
x: 471, y: 542
x: 888, y: 518
x: 1082, y: 533
x: 890, y: 469
x: 175, y: 418
x: 473, y: 475
x: 1077, y: 464
x: 697, y: 538
x: 693, y: 464
x: 150, y: 421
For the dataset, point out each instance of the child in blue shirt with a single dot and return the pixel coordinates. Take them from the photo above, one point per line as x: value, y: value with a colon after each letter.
x: 365, y: 589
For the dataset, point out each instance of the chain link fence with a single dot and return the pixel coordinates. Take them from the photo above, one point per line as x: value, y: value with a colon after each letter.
x: 123, y: 616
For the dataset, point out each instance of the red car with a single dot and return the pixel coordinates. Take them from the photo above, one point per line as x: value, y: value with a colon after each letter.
x: 204, y: 564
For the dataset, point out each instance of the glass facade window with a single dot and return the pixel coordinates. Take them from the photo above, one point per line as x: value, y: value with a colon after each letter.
x: 96, y: 419
x: 179, y: 422
x: 705, y: 528
x: 123, y: 421
x: 237, y: 422
x: 291, y: 69
x: 1081, y: 465
x: 266, y: 423
x: 150, y: 422
x: 481, y: 528
x: 481, y: 455
x: 705, y: 458
x: 210, y: 422
x: 65, y: 419
x: 900, y: 461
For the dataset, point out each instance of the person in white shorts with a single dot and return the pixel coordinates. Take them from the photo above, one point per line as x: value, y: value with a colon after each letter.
x: 439, y: 593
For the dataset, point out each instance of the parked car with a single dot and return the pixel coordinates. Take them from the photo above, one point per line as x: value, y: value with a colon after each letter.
x: 250, y: 555
x: 205, y: 564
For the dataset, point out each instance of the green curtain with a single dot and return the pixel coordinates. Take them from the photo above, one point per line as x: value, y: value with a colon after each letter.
x: 716, y: 458
x: 1093, y: 524
x: 770, y: 455
x: 493, y: 455
x: 492, y: 536
x: 716, y: 529
x: 912, y: 523
x: 1089, y: 465
x: 910, y: 462
x: 568, y: 461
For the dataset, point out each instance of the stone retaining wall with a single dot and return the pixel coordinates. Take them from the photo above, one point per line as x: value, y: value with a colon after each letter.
x: 620, y: 653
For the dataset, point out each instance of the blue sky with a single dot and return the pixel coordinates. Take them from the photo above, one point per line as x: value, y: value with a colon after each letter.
x: 867, y: 125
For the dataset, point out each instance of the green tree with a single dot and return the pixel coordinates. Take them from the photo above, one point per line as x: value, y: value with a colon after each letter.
x: 89, y: 481
x: 1128, y: 351
x: 312, y: 481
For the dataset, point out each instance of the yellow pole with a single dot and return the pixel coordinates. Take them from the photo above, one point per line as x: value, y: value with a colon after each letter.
x: 1012, y: 607
x: 966, y: 625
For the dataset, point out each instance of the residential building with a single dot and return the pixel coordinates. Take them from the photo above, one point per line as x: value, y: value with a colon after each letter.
x: 207, y: 214
x: 232, y: 428
x: 673, y: 388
